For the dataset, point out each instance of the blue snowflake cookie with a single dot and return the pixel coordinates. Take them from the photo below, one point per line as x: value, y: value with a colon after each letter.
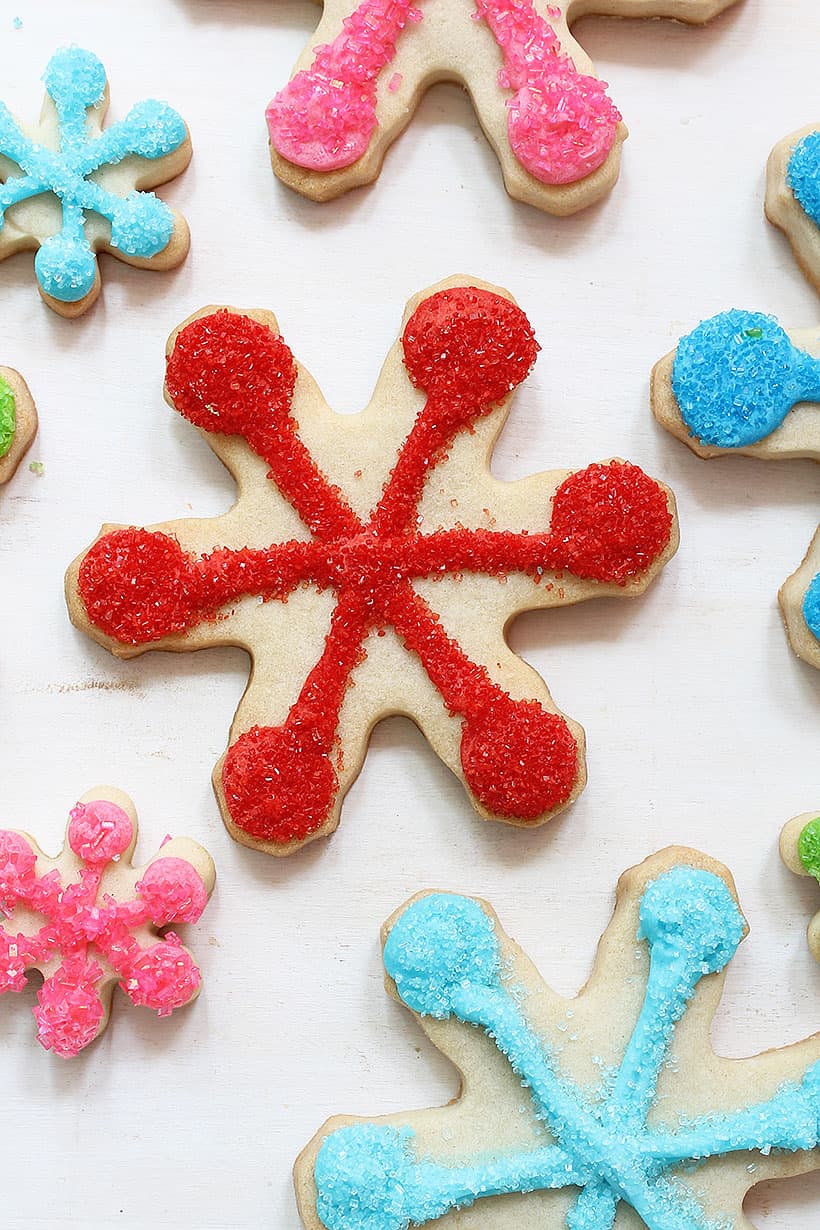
x: 70, y: 189
x: 574, y: 1110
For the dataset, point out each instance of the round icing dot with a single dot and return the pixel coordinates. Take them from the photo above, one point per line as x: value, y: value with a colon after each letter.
x: 562, y: 129
x: 99, y: 831
x: 279, y: 782
x: 172, y: 891
x: 320, y: 123
x: 808, y: 848
x: 17, y: 863
x: 364, y: 1177
x: 811, y: 607
x: 694, y: 912
x: 229, y: 373
x: 163, y: 977
x: 8, y: 417
x: 141, y: 225
x: 154, y: 129
x: 518, y: 759
x: 138, y: 586
x: 803, y: 175
x: 736, y: 376
x: 439, y: 946
x: 469, y: 347
x: 75, y: 79
x: 611, y: 521
x: 66, y: 268
x: 69, y: 1011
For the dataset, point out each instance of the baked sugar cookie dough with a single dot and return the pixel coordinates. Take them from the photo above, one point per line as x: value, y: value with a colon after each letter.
x: 18, y: 421
x: 741, y: 383
x: 800, y: 851
x: 70, y: 188
x: 592, y: 1112
x: 793, y: 195
x: 372, y: 564
x: 555, y: 131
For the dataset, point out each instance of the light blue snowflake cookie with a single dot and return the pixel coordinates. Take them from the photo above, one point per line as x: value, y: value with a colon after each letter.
x: 793, y: 195
x: 574, y: 1114
x: 69, y: 189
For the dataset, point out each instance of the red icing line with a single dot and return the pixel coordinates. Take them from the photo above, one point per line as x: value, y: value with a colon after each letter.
x: 466, y: 349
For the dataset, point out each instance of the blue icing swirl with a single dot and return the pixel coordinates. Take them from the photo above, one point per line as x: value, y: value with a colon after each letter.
x: 737, y: 375
x: 803, y: 176
x: 444, y: 957
x: 141, y: 225
x: 811, y: 607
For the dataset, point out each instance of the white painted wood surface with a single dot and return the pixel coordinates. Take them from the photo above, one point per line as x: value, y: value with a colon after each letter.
x: 702, y: 727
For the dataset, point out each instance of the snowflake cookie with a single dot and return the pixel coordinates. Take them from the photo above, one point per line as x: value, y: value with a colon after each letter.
x: 573, y: 1112
x: 793, y: 196
x: 18, y: 421
x: 374, y: 550
x: 70, y: 189
x: 800, y: 851
x: 555, y: 131
x: 740, y: 383
x: 88, y: 920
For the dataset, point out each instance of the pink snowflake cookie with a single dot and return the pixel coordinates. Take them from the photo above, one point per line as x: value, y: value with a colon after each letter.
x: 556, y: 132
x: 88, y: 919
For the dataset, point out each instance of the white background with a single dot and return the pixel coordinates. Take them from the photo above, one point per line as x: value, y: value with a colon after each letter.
x: 702, y: 726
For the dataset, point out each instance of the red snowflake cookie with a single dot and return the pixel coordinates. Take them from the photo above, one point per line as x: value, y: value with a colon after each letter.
x: 88, y: 920
x: 372, y: 563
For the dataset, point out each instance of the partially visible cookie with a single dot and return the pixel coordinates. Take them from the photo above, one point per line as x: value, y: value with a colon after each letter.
x: 793, y: 195
x: 800, y: 851
x: 18, y: 421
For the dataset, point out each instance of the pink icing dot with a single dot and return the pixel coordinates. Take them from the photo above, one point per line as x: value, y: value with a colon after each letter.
x: 17, y: 862
x: 172, y: 891
x: 99, y: 832
x: 69, y: 1011
x: 163, y: 977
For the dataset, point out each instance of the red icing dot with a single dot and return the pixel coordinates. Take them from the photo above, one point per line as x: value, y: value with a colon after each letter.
x: 519, y: 760
x: 279, y: 782
x: 610, y: 522
x: 228, y: 372
x: 470, y: 345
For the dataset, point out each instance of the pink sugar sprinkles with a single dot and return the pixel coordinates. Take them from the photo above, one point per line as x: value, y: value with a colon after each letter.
x: 561, y: 123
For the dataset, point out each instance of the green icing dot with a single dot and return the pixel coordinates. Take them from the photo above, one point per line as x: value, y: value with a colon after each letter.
x: 808, y: 847
x: 8, y: 418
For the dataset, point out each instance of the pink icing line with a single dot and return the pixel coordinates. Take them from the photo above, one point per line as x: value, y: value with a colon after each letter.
x: 324, y: 118
x: 78, y: 922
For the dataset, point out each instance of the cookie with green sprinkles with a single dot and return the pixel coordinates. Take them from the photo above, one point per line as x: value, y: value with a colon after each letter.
x: 18, y: 421
x: 800, y: 851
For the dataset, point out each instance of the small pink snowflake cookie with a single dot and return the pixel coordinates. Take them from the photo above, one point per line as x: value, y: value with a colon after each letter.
x: 88, y: 920
x: 554, y: 129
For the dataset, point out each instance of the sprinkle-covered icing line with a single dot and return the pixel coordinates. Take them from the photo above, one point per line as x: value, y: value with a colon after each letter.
x: 466, y: 349
x: 736, y: 377
x: 561, y: 123
x: 8, y: 417
x: 811, y: 607
x: 808, y: 848
x: 87, y: 933
x: 141, y: 224
x: 803, y: 175
x: 445, y: 960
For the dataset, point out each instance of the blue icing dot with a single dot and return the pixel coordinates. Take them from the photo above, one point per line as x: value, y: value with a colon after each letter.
x: 811, y: 607
x: 441, y: 944
x: 693, y: 912
x: 364, y: 1174
x: 75, y: 79
x: 153, y: 129
x: 141, y: 225
x: 66, y: 268
x: 803, y: 175
x: 737, y: 375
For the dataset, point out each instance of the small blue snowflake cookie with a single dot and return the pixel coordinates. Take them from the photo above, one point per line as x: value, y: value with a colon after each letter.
x: 69, y: 189
x: 574, y: 1111
x: 793, y: 195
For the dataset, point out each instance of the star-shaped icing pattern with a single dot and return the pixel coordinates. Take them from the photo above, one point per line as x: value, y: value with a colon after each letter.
x: 549, y: 119
x: 372, y: 564
x: 89, y: 921
x: 575, y: 1114
x: 70, y: 189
